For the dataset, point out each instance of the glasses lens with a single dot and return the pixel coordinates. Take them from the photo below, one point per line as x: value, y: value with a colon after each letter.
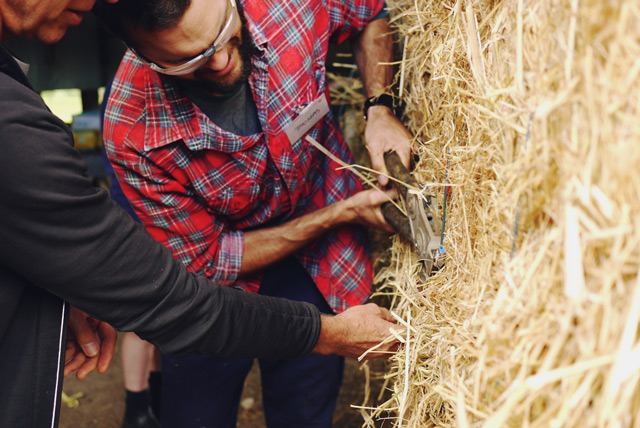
x: 229, y: 26
x: 186, y: 68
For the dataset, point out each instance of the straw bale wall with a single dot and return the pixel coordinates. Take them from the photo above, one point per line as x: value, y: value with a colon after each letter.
x: 529, y: 110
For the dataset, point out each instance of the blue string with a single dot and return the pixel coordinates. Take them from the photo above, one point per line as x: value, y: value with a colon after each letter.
x: 444, y: 204
x: 515, y: 226
x: 515, y: 230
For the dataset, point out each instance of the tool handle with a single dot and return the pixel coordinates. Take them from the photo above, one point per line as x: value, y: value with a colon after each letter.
x: 397, y: 170
x: 392, y: 214
x: 398, y: 220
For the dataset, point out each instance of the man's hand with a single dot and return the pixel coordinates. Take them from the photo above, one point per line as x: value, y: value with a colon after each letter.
x: 90, y: 344
x: 373, y: 51
x: 356, y: 330
x: 385, y: 132
x: 268, y: 245
x: 365, y: 208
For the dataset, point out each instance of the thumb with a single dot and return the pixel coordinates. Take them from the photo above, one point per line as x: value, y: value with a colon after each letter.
x: 386, y: 315
x: 381, y: 196
x: 377, y: 163
x: 84, y: 333
x: 88, y: 341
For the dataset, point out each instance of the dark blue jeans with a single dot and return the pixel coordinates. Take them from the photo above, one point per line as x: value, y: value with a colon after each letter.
x: 201, y: 391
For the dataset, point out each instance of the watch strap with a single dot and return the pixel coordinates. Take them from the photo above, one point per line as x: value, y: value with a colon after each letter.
x: 384, y: 100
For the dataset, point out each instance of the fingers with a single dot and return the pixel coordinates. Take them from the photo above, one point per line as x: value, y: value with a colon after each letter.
x: 377, y: 163
x: 376, y: 200
x: 390, y: 344
x: 69, y: 354
x: 108, y: 337
x: 87, y: 367
x: 359, y: 330
x: 84, y: 332
x: 71, y: 349
x: 365, y: 207
x: 377, y: 160
x: 385, y: 225
x: 77, y: 359
x: 384, y: 134
x: 378, y: 197
x: 386, y: 315
x: 90, y: 344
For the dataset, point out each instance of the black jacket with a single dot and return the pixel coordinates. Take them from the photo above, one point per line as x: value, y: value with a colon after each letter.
x: 63, y: 241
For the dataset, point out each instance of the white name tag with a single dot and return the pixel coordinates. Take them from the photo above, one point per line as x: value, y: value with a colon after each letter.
x: 308, y: 117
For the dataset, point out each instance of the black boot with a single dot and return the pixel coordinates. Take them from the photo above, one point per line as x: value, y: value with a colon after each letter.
x: 155, y: 393
x: 138, y: 412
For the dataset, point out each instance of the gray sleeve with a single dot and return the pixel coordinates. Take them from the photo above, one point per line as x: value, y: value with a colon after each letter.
x: 68, y: 237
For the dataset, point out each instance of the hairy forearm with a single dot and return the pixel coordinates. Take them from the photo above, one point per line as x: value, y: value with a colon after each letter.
x: 373, y: 52
x: 266, y: 246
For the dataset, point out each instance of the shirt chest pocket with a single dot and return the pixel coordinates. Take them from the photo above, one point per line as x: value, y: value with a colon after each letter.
x: 289, y: 94
x: 235, y: 199
x: 314, y: 85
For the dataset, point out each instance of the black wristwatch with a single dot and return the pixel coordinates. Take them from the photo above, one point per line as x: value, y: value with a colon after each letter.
x: 380, y: 100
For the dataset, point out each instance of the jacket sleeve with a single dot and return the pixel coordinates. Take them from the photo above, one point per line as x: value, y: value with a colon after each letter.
x: 66, y: 236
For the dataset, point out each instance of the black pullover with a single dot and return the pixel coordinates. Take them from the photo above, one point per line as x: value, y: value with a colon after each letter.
x: 64, y: 241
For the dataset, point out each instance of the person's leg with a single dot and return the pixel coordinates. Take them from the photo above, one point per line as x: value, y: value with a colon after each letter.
x: 202, y: 391
x: 155, y: 383
x: 303, y: 392
x: 136, y: 359
x: 136, y: 356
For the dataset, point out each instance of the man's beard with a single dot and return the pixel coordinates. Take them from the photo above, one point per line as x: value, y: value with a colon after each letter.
x: 203, y: 82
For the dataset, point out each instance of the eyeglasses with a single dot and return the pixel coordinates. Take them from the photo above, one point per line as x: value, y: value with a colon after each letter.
x: 197, y: 62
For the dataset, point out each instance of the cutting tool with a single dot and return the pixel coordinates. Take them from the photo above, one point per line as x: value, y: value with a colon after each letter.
x: 420, y: 226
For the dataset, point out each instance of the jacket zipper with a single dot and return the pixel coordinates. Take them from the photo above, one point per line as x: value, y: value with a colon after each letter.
x: 55, y: 395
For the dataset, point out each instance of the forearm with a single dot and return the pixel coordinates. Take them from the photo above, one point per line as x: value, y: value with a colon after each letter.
x: 373, y: 52
x: 65, y: 236
x: 264, y: 247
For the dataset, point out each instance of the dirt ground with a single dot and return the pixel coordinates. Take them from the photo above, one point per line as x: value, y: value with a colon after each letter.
x: 102, y: 403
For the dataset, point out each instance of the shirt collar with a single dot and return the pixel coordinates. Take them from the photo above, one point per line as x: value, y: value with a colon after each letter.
x: 172, y: 116
x: 255, y: 28
x: 23, y: 66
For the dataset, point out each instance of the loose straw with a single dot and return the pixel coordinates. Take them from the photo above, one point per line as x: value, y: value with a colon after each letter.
x: 546, y: 336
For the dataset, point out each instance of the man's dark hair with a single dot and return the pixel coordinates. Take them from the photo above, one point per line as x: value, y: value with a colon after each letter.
x: 148, y: 15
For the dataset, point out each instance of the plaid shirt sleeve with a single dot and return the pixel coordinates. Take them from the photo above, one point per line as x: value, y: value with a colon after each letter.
x: 163, y: 200
x: 349, y: 17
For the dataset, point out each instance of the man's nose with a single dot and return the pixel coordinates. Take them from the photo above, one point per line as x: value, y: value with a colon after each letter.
x: 219, y: 60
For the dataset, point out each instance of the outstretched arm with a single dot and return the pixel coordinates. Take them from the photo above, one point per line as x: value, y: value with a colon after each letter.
x: 52, y: 215
x: 269, y: 245
x: 373, y: 51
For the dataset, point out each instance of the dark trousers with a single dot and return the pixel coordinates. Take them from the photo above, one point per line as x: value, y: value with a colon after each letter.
x: 202, y: 391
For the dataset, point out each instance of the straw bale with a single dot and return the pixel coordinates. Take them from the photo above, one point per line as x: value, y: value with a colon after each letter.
x: 529, y: 111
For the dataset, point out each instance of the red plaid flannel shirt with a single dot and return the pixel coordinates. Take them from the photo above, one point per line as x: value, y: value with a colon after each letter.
x: 197, y: 187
